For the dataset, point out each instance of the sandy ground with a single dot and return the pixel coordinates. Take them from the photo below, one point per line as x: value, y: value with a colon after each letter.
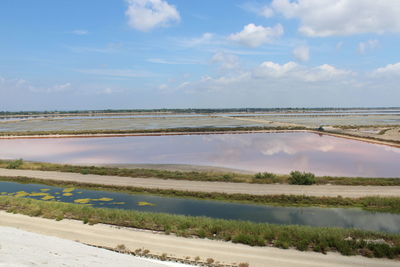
x: 23, y: 248
x: 224, y: 252
x: 223, y: 187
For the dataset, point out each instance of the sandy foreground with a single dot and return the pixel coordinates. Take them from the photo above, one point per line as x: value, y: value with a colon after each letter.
x: 222, y: 187
x: 26, y: 247
x: 23, y: 248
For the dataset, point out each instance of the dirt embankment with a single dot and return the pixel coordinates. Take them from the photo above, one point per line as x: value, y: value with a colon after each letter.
x: 221, y: 187
x: 179, y: 247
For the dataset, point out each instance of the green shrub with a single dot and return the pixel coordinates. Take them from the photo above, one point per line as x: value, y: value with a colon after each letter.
x: 248, y: 239
x: 301, y: 178
x: 266, y: 176
x: 15, y: 164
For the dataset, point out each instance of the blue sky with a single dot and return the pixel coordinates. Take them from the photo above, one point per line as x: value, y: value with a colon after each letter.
x: 70, y: 54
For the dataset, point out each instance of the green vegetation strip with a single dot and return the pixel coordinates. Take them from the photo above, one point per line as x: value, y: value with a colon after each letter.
x: 261, y: 178
x: 378, y: 204
x: 345, y: 241
x: 153, y: 131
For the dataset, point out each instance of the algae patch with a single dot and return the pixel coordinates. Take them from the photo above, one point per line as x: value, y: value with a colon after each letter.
x: 144, y: 203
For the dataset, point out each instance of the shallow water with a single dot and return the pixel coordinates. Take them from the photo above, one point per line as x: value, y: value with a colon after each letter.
x: 273, y: 152
x: 329, y: 217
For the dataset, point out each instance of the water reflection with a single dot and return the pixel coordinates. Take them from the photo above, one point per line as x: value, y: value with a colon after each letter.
x: 274, y: 152
x: 324, y: 217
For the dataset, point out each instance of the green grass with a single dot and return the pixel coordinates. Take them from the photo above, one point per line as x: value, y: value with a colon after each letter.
x: 260, y: 178
x: 344, y: 241
x: 378, y: 204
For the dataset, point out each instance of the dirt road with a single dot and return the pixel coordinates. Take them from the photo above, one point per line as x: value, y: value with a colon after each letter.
x: 223, y: 187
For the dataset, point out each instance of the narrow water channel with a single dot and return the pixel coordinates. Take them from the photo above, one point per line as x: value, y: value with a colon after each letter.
x: 325, y: 217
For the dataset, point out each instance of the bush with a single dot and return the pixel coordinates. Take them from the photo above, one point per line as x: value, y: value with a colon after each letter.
x: 301, y: 178
x: 15, y: 164
x: 266, y: 175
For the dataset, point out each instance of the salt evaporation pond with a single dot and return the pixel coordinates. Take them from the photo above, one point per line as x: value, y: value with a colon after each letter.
x: 258, y: 152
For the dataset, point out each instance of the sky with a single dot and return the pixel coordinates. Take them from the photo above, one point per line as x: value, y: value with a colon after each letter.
x: 135, y: 54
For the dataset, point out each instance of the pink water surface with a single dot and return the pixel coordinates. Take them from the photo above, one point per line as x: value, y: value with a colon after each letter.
x: 273, y: 152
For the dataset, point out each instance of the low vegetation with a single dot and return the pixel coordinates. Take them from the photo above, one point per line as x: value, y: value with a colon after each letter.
x: 152, y: 131
x: 301, y: 178
x: 379, y: 204
x: 267, y: 176
x: 344, y: 241
x: 15, y: 164
x: 260, y: 178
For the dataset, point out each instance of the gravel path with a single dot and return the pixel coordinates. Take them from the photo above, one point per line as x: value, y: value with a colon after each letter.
x: 223, y: 187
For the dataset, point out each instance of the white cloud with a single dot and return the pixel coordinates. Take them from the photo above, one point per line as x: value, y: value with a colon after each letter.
x: 339, y: 45
x: 294, y: 71
x: 205, y: 38
x: 226, y: 61
x: 341, y: 17
x: 271, y: 69
x: 388, y: 70
x: 116, y: 72
x: 302, y: 53
x: 258, y: 9
x: 80, y: 32
x: 363, y: 47
x: 173, y: 62
x: 267, y: 12
x: 108, y: 91
x: 145, y: 15
x: 61, y: 87
x: 292, y: 84
x: 24, y: 85
x: 254, y: 36
x: 323, y: 72
x: 271, y: 74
